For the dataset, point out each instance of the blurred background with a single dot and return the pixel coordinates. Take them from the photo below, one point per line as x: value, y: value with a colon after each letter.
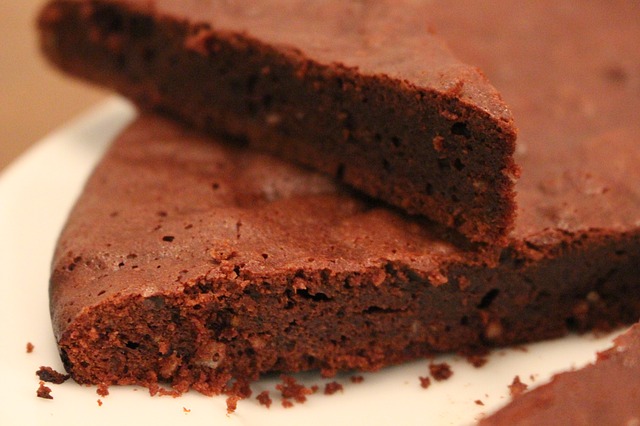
x: 34, y: 98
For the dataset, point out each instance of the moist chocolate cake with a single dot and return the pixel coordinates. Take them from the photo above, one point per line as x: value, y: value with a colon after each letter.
x: 603, y: 393
x: 196, y: 263
x: 362, y: 91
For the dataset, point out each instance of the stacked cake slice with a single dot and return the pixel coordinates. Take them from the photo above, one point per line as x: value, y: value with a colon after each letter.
x: 361, y: 91
x: 201, y: 259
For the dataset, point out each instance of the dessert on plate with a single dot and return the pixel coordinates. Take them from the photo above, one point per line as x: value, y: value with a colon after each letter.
x: 201, y: 262
x: 197, y: 263
x: 362, y: 91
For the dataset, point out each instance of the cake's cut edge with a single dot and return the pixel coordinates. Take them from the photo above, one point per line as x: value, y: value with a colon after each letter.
x: 205, y: 287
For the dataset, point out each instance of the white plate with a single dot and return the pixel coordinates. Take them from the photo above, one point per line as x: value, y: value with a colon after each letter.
x: 36, y: 194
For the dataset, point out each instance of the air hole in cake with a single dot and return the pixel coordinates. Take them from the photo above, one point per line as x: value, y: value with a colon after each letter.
x: 251, y: 108
x: 108, y: 20
x: 149, y: 56
x: 132, y: 345
x: 443, y: 163
x: 429, y: 189
x: 340, y: 172
x: 458, y: 221
x: 488, y: 298
x: 290, y: 303
x: 395, y: 141
x: 267, y: 100
x: 173, y: 60
x: 375, y: 309
x: 141, y: 26
x: 101, y: 292
x: 572, y: 323
x: 168, y: 238
x: 458, y: 165
x: 316, y: 297
x: 265, y: 256
x: 120, y: 61
x: 464, y: 320
x: 386, y: 165
x: 252, y: 82
x: 460, y: 129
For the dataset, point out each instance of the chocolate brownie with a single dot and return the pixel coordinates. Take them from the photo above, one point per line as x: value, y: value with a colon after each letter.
x: 195, y: 262
x: 362, y: 91
x: 603, y: 393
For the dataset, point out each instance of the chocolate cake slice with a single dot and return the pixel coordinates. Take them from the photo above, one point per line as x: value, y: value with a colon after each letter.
x: 197, y: 263
x: 603, y: 393
x: 362, y: 91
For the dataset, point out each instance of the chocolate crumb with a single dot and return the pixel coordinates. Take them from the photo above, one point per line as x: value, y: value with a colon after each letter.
x: 289, y: 388
x: 99, y: 403
x: 425, y: 382
x: 30, y: 347
x: 440, y: 371
x: 238, y: 390
x: 478, y: 402
x: 44, y: 391
x: 332, y: 387
x: 516, y: 388
x: 48, y: 374
x: 232, y: 403
x: 477, y: 360
x: 264, y: 398
x: 357, y: 379
x: 286, y: 403
x: 103, y: 390
x: 186, y: 410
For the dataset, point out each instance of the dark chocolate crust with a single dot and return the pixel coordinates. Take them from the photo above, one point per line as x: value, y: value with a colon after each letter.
x: 360, y: 91
x: 605, y: 392
x: 193, y: 262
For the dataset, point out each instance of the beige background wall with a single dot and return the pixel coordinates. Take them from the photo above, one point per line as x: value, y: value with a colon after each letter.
x: 34, y: 98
